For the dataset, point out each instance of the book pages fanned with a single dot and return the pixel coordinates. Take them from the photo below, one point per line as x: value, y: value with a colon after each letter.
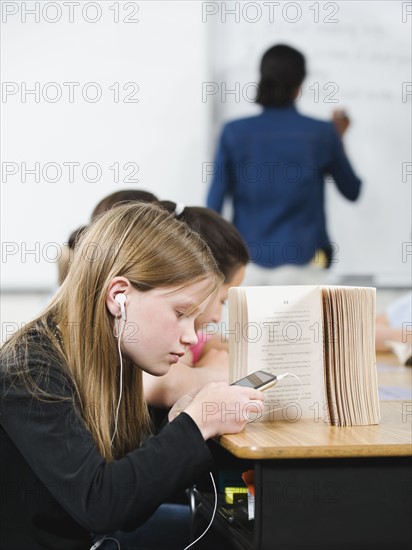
x: 324, y: 336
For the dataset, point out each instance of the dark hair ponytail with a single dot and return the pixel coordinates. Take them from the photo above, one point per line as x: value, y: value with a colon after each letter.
x: 222, y: 237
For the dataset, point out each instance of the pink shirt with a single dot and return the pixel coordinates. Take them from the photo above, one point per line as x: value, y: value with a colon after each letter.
x: 197, y: 348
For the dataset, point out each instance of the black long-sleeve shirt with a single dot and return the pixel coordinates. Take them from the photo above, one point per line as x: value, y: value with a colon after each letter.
x: 55, y: 486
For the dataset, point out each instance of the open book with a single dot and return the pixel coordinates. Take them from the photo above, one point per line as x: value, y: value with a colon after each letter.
x: 325, y: 335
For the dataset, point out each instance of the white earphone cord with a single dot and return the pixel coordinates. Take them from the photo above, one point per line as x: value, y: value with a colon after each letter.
x: 116, y: 418
x: 98, y: 543
x: 119, y: 338
x: 280, y: 377
x: 212, y: 518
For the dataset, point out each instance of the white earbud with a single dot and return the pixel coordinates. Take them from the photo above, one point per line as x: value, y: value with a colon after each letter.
x: 121, y: 300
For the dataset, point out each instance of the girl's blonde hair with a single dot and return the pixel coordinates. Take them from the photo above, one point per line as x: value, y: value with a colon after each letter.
x: 145, y: 244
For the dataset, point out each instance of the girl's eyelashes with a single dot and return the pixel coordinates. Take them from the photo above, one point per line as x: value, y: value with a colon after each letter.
x: 180, y: 314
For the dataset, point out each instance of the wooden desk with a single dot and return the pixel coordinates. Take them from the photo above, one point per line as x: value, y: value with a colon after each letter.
x: 319, y: 487
x: 322, y: 487
x: 310, y: 439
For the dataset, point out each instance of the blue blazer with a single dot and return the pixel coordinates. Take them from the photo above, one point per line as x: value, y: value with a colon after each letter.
x: 273, y: 166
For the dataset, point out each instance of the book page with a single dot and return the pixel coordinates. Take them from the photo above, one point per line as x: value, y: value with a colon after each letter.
x: 330, y: 343
x: 282, y: 332
x: 350, y: 364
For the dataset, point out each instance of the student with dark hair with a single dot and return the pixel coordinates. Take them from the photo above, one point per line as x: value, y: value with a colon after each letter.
x: 273, y: 167
x: 224, y: 240
x: 66, y: 257
x: 123, y: 196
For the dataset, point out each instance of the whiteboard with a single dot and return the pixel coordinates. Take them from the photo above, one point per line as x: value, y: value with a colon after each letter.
x: 60, y: 157
x: 83, y: 149
x: 358, y: 58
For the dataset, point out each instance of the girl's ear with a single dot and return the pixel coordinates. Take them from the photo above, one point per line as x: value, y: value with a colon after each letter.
x: 118, y: 285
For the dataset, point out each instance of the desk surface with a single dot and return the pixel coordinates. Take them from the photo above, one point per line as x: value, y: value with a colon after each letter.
x: 310, y: 439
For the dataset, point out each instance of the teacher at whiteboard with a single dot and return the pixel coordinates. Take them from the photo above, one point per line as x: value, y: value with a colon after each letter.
x: 273, y: 168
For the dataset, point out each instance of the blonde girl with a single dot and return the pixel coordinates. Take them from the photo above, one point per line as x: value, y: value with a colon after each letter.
x: 77, y: 455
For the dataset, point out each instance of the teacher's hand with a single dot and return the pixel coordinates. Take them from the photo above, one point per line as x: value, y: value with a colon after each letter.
x: 340, y: 120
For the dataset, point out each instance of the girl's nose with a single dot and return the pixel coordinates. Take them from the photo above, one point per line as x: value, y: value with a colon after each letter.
x: 189, y: 336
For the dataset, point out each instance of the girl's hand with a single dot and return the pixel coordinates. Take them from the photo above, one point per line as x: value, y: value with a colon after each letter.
x: 218, y: 408
x: 181, y: 404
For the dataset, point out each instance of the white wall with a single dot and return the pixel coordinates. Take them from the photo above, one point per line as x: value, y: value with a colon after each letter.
x: 163, y: 136
x: 173, y: 49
